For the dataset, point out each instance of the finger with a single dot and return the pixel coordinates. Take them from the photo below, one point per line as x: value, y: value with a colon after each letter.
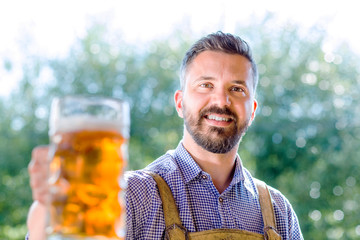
x: 38, y: 171
x: 38, y: 179
x: 39, y: 156
x: 38, y: 166
x: 41, y: 195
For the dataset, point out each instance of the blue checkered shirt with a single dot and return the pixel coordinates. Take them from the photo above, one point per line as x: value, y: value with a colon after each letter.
x: 201, y: 207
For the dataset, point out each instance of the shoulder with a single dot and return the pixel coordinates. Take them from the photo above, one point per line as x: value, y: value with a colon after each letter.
x: 144, y: 211
x: 278, y: 199
x: 139, y: 181
x: 143, y: 206
x: 281, y: 203
x: 286, y: 218
x: 164, y: 165
x: 141, y: 185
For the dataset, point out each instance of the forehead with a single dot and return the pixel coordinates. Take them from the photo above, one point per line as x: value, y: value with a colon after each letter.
x: 219, y: 64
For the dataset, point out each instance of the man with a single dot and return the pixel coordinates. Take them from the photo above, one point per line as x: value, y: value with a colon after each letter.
x: 201, y: 190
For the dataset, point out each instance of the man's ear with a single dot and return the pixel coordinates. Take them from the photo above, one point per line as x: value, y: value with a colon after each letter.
x: 178, y: 97
x: 255, y: 104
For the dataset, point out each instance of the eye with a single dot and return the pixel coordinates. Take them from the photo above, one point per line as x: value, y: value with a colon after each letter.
x: 237, y: 89
x: 206, y: 85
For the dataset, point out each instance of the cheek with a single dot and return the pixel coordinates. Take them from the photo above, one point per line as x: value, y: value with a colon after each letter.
x: 244, y: 111
x: 193, y: 103
x: 249, y: 109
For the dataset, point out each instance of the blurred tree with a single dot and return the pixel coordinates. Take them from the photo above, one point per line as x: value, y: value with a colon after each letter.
x: 22, y: 127
x: 145, y: 76
x: 304, y: 140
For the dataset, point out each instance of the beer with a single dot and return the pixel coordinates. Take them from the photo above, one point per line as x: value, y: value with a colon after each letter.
x: 88, y: 157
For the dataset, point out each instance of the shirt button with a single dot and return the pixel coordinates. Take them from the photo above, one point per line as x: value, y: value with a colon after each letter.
x: 221, y: 199
x: 204, y: 177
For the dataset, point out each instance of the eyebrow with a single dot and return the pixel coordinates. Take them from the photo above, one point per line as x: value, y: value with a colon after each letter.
x: 201, y: 78
x: 240, y: 82
x: 204, y: 78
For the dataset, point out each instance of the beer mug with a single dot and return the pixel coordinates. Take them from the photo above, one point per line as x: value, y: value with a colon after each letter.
x: 88, y: 156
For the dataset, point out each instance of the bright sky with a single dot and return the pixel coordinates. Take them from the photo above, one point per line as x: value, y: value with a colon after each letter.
x: 52, y: 26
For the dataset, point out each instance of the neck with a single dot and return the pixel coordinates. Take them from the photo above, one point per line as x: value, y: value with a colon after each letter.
x: 220, y: 166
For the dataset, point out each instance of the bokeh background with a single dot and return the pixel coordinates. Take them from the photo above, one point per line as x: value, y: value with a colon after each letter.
x: 305, y: 140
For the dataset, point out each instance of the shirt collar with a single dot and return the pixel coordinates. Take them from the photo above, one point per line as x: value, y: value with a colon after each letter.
x: 187, y: 165
x: 190, y: 169
x: 239, y: 173
x: 242, y: 174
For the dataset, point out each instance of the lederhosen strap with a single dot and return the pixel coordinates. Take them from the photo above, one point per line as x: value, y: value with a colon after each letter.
x: 175, y: 229
x: 267, y: 210
x: 172, y: 221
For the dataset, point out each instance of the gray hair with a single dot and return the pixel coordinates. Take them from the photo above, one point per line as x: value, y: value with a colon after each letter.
x: 223, y: 42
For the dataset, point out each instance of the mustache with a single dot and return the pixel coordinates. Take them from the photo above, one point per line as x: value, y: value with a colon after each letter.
x: 217, y: 110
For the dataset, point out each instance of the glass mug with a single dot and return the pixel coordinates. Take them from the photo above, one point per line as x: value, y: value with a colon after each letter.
x: 88, y: 156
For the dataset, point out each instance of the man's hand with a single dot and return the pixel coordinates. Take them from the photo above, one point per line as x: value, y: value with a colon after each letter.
x: 38, y: 171
x: 36, y: 221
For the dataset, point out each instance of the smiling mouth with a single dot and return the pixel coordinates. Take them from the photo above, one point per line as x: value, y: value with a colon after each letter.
x: 218, y: 118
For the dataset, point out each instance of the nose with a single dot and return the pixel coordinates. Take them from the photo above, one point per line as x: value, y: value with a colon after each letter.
x: 221, y: 98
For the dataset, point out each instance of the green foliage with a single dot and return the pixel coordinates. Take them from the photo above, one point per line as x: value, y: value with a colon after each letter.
x: 304, y: 140
x: 145, y: 77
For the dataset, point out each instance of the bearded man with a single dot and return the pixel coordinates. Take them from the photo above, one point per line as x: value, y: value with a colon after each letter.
x: 201, y: 190
x: 211, y: 195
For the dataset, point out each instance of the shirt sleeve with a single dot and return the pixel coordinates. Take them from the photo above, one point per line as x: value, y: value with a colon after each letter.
x: 145, y: 218
x: 286, y: 220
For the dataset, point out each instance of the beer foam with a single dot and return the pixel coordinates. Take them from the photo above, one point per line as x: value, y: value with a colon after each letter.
x: 78, y: 123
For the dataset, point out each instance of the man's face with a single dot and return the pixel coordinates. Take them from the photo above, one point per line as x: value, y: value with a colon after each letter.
x: 217, y: 102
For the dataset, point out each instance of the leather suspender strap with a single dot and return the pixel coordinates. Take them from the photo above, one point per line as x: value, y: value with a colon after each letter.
x: 174, y: 228
x: 267, y: 210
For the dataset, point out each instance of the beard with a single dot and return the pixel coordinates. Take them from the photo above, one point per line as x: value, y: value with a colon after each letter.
x: 215, y: 139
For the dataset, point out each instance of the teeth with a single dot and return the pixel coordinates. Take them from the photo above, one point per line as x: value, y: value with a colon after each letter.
x: 212, y: 117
